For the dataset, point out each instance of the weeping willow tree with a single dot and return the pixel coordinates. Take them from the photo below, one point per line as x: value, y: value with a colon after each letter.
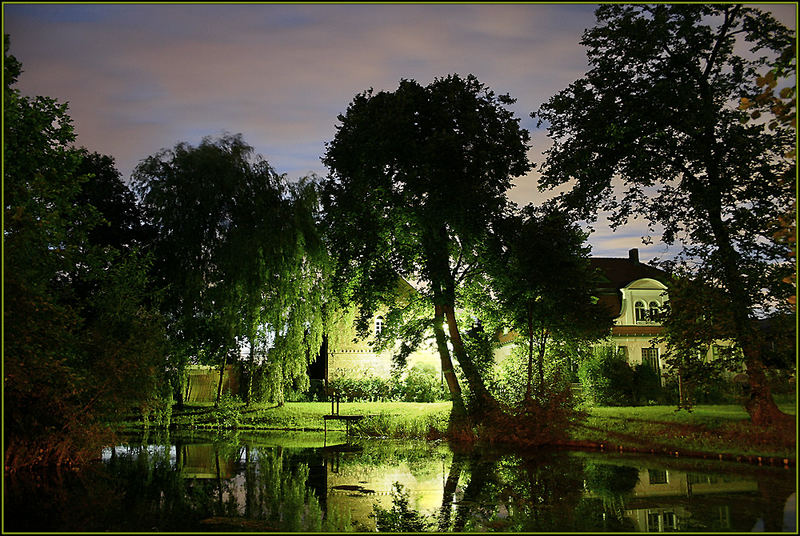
x: 237, y: 255
x: 293, y: 315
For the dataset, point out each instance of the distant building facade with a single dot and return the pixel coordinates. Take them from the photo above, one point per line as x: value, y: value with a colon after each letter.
x: 634, y: 292
x: 636, y: 295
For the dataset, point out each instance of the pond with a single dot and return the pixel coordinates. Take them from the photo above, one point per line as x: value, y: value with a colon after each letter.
x: 301, y: 483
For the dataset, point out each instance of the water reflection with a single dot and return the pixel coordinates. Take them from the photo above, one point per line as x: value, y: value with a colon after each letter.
x: 296, y: 483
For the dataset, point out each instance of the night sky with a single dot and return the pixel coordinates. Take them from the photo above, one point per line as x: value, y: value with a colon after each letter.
x: 139, y: 78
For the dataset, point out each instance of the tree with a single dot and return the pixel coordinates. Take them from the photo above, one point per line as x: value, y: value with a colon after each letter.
x: 544, y: 281
x: 104, y: 189
x: 417, y: 179
x: 81, y: 346
x: 783, y: 109
x: 658, y: 111
x: 237, y: 256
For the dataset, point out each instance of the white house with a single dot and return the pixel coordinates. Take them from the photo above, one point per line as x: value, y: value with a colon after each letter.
x: 636, y: 294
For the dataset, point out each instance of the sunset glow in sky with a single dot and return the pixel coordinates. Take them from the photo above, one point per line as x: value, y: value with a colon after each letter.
x: 139, y: 78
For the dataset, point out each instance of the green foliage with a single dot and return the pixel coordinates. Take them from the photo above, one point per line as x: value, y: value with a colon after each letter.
x: 607, y: 378
x: 542, y: 277
x: 228, y: 413
x: 417, y: 176
x: 420, y: 384
x: 400, y: 518
x: 368, y: 388
x: 610, y: 481
x: 647, y: 385
x: 157, y: 410
x: 655, y: 113
x: 82, y: 344
x: 238, y: 257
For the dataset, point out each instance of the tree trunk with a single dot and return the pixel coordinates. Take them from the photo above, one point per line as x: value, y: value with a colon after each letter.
x: 542, y: 349
x: 759, y: 404
x: 529, y: 384
x: 221, y: 373
x: 182, y: 380
x: 707, y: 198
x: 251, y: 366
x: 459, y: 410
x: 484, y: 402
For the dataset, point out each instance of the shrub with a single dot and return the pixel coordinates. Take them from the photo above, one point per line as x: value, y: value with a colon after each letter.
x: 158, y: 410
x: 228, y: 414
x: 607, y: 378
x: 423, y: 385
x: 647, y: 385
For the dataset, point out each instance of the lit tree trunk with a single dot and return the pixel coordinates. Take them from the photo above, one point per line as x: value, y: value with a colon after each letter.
x: 443, y: 282
x: 484, y: 402
x: 221, y: 373
x: 447, y: 363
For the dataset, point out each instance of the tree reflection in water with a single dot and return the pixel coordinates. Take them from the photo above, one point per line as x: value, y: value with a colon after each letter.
x: 256, y: 486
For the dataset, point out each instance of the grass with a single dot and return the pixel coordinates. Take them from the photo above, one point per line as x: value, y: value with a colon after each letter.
x: 717, y: 429
x: 391, y: 419
x: 714, y: 429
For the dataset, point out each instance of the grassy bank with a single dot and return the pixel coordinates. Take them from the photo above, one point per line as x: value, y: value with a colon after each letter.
x: 386, y: 419
x: 714, y: 429
x: 717, y: 429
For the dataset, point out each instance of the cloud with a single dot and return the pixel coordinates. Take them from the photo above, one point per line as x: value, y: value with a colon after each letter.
x: 281, y: 73
x: 143, y: 77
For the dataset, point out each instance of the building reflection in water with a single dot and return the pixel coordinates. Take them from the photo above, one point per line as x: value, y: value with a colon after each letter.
x: 472, y: 493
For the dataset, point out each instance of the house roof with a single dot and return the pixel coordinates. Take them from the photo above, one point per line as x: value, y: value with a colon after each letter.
x: 612, y: 302
x: 617, y: 273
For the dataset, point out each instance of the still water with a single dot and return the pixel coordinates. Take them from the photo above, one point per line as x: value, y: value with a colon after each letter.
x: 297, y: 482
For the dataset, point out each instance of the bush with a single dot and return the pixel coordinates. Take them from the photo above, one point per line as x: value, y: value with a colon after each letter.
x: 228, y: 414
x: 647, y: 385
x: 421, y: 384
x: 607, y: 378
x: 720, y: 391
x: 157, y: 411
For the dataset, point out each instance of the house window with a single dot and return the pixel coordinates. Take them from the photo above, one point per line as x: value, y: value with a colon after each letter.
x: 650, y: 358
x: 670, y: 521
x: 655, y: 312
x: 657, y: 476
x: 715, y: 353
x: 641, y: 311
x: 378, y: 325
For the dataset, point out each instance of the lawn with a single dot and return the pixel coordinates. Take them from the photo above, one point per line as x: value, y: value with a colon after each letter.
x: 400, y: 419
x: 717, y: 429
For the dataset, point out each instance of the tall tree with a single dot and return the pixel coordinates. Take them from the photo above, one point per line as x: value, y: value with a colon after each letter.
x: 80, y: 344
x: 121, y: 226
x: 237, y: 255
x: 544, y: 281
x: 658, y: 110
x: 417, y: 178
